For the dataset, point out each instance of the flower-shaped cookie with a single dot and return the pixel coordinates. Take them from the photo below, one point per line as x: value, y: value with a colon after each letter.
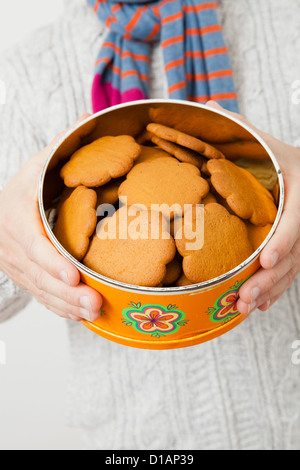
x: 184, y: 140
x: 97, y: 163
x: 257, y: 234
x: 164, y: 181
x: 133, y: 247
x: 226, y: 245
x: 77, y: 220
x: 248, y: 198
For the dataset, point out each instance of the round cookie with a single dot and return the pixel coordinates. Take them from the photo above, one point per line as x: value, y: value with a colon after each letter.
x: 129, y: 259
x: 77, y: 220
x: 185, y: 140
x: 164, y: 181
x: 226, y: 245
x: 97, y: 163
x: 248, y: 198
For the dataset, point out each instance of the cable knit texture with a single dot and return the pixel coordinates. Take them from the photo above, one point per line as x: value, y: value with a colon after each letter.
x: 239, y: 391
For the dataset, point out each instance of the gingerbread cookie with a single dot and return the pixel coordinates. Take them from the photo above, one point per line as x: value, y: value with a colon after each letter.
x: 77, y: 221
x: 257, y: 235
x: 183, y: 281
x: 205, y: 125
x: 64, y: 196
x: 181, y: 153
x: 108, y: 194
x: 243, y: 149
x: 174, y: 270
x: 164, y: 181
x: 209, y: 198
x: 130, y: 254
x: 172, y: 135
x: 226, y: 245
x: 263, y: 170
x: 248, y: 198
x: 150, y: 153
x: 97, y: 163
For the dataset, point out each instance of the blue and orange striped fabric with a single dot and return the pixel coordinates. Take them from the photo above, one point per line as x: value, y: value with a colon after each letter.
x: 195, y: 56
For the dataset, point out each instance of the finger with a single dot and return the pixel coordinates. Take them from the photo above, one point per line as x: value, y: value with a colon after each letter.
x: 66, y: 310
x: 81, y: 296
x: 16, y: 276
x: 85, y: 303
x: 265, y: 279
x: 61, y: 314
x: 84, y: 307
x: 287, y: 232
x: 39, y: 250
x: 264, y: 301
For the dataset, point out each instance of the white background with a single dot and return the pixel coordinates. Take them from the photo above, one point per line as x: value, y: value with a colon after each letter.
x: 33, y: 383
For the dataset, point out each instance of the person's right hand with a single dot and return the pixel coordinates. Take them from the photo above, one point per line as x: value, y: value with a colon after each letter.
x: 29, y: 259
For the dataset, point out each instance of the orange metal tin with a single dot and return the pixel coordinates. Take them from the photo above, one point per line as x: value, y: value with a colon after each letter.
x: 162, y: 318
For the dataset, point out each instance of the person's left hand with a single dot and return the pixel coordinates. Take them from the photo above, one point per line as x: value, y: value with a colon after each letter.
x: 280, y: 259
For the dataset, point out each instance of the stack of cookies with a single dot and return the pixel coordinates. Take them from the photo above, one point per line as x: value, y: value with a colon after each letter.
x: 152, y: 183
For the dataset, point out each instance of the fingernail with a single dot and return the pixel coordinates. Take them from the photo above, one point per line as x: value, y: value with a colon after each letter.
x: 86, y: 314
x: 275, y: 258
x: 86, y: 303
x: 64, y: 277
x: 72, y: 317
x: 86, y: 310
x: 255, y: 293
x: 251, y: 307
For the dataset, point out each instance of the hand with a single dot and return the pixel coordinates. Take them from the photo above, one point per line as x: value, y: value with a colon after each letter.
x: 280, y: 259
x: 29, y: 259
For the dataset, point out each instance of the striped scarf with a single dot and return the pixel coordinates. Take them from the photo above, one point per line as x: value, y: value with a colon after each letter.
x: 195, y: 57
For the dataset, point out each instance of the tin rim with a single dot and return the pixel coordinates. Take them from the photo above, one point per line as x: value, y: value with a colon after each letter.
x: 159, y: 290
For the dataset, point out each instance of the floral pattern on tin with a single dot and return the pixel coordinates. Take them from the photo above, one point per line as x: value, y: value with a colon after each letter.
x: 154, y: 319
x: 225, y: 307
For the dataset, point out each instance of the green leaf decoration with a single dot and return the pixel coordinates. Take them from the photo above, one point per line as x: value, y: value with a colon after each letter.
x: 157, y: 335
x: 172, y: 307
x: 132, y: 304
x: 211, y: 311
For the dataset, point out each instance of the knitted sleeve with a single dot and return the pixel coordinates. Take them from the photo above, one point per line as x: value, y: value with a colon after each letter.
x: 18, y: 142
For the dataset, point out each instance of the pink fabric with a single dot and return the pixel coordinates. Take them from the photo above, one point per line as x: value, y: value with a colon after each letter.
x: 104, y: 95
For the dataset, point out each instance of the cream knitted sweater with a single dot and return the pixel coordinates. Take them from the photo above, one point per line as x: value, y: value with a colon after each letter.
x: 239, y: 391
